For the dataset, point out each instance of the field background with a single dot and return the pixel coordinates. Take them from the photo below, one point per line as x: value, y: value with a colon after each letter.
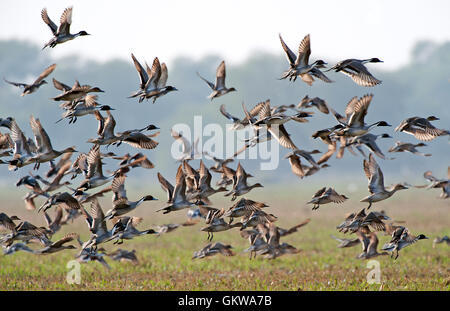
x: 165, y: 261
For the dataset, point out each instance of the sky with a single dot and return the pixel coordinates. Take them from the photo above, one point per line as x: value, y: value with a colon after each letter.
x: 233, y: 29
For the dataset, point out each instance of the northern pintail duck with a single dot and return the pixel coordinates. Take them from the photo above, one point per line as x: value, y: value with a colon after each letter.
x: 55, y: 184
x: 421, y: 128
x: 204, y: 189
x: 92, y: 167
x: 369, y: 141
x: 401, y: 238
x: 355, y: 69
x: 243, y: 208
x: 299, y: 65
x: 54, y: 225
x: 97, y: 225
x: 55, y: 168
x: 346, y: 242
x: 376, y: 183
x: 256, y: 218
x: 317, y: 102
x: 31, y: 88
x: 92, y: 254
x: 273, y: 248
x: 219, y: 87
x: 88, y: 106
x: 16, y: 247
x: 408, y: 147
x: 58, y: 245
x: 324, y: 196
x: 356, y: 221
x: 240, y: 186
x: 216, y: 223
x: 439, y: 240
x: 23, y: 148
x: 153, y: 80
x: 176, y: 195
x: 77, y: 93
x: 121, y: 204
x: 129, y: 232
x: 189, y: 151
x: 45, y: 151
x: 62, y: 33
x: 133, y: 161
x: 123, y: 255
x: 371, y: 247
x: 213, y: 249
x: 27, y: 232
x: 7, y: 222
x: 294, y: 160
x: 65, y: 199
x: 355, y: 111
x: 439, y: 183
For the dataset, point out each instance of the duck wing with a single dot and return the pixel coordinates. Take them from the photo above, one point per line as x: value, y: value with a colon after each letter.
x: 49, y: 22
x: 45, y: 73
x: 304, y: 51
x: 41, y: 137
x: 289, y: 54
x: 143, y: 76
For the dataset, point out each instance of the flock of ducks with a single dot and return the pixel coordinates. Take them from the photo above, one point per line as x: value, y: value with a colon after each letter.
x: 193, y: 187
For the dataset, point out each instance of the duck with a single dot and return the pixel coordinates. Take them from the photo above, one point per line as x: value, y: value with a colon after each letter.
x: 212, y: 249
x: 153, y: 80
x: 82, y: 109
x: 357, y: 71
x: 54, y: 225
x: 45, y: 151
x: 316, y: 102
x: 299, y: 66
x: 121, y: 204
x: 408, y: 147
x: 326, y: 195
x: 401, y: 238
x: 204, y: 189
x: 23, y: 149
x: 129, y: 232
x: 33, y: 87
x: 356, y: 221
x: 58, y: 245
x: 240, y: 186
x: 97, y: 225
x: 219, y: 88
x: 256, y: 218
x: 369, y: 141
x: 354, y: 124
x: 26, y: 232
x: 55, y: 184
x: 371, y: 248
x: 68, y: 202
x: 376, y: 183
x: 343, y: 243
x: 438, y: 183
x: 92, y: 166
x: 77, y: 92
x: 11, y: 249
x: 421, y: 128
x: 55, y: 168
x: 189, y: 152
x: 123, y: 255
x: 243, y: 208
x: 176, y: 195
x: 7, y: 222
x: 273, y: 248
x: 218, y: 224
x: 62, y: 33
x: 294, y: 160
x: 439, y: 240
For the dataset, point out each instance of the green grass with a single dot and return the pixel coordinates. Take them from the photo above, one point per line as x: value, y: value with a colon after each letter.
x: 166, y: 264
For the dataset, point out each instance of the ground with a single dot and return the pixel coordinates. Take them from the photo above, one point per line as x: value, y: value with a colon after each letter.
x: 165, y: 262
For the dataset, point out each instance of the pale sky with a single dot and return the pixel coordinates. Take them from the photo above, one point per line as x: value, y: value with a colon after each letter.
x: 233, y: 29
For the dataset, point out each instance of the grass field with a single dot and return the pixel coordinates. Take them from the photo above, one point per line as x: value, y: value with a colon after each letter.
x: 166, y: 264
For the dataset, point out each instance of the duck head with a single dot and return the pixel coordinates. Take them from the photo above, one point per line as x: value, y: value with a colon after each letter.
x: 382, y: 123
x: 375, y: 60
x: 83, y: 33
x: 421, y: 237
x: 150, y: 198
x: 106, y: 108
